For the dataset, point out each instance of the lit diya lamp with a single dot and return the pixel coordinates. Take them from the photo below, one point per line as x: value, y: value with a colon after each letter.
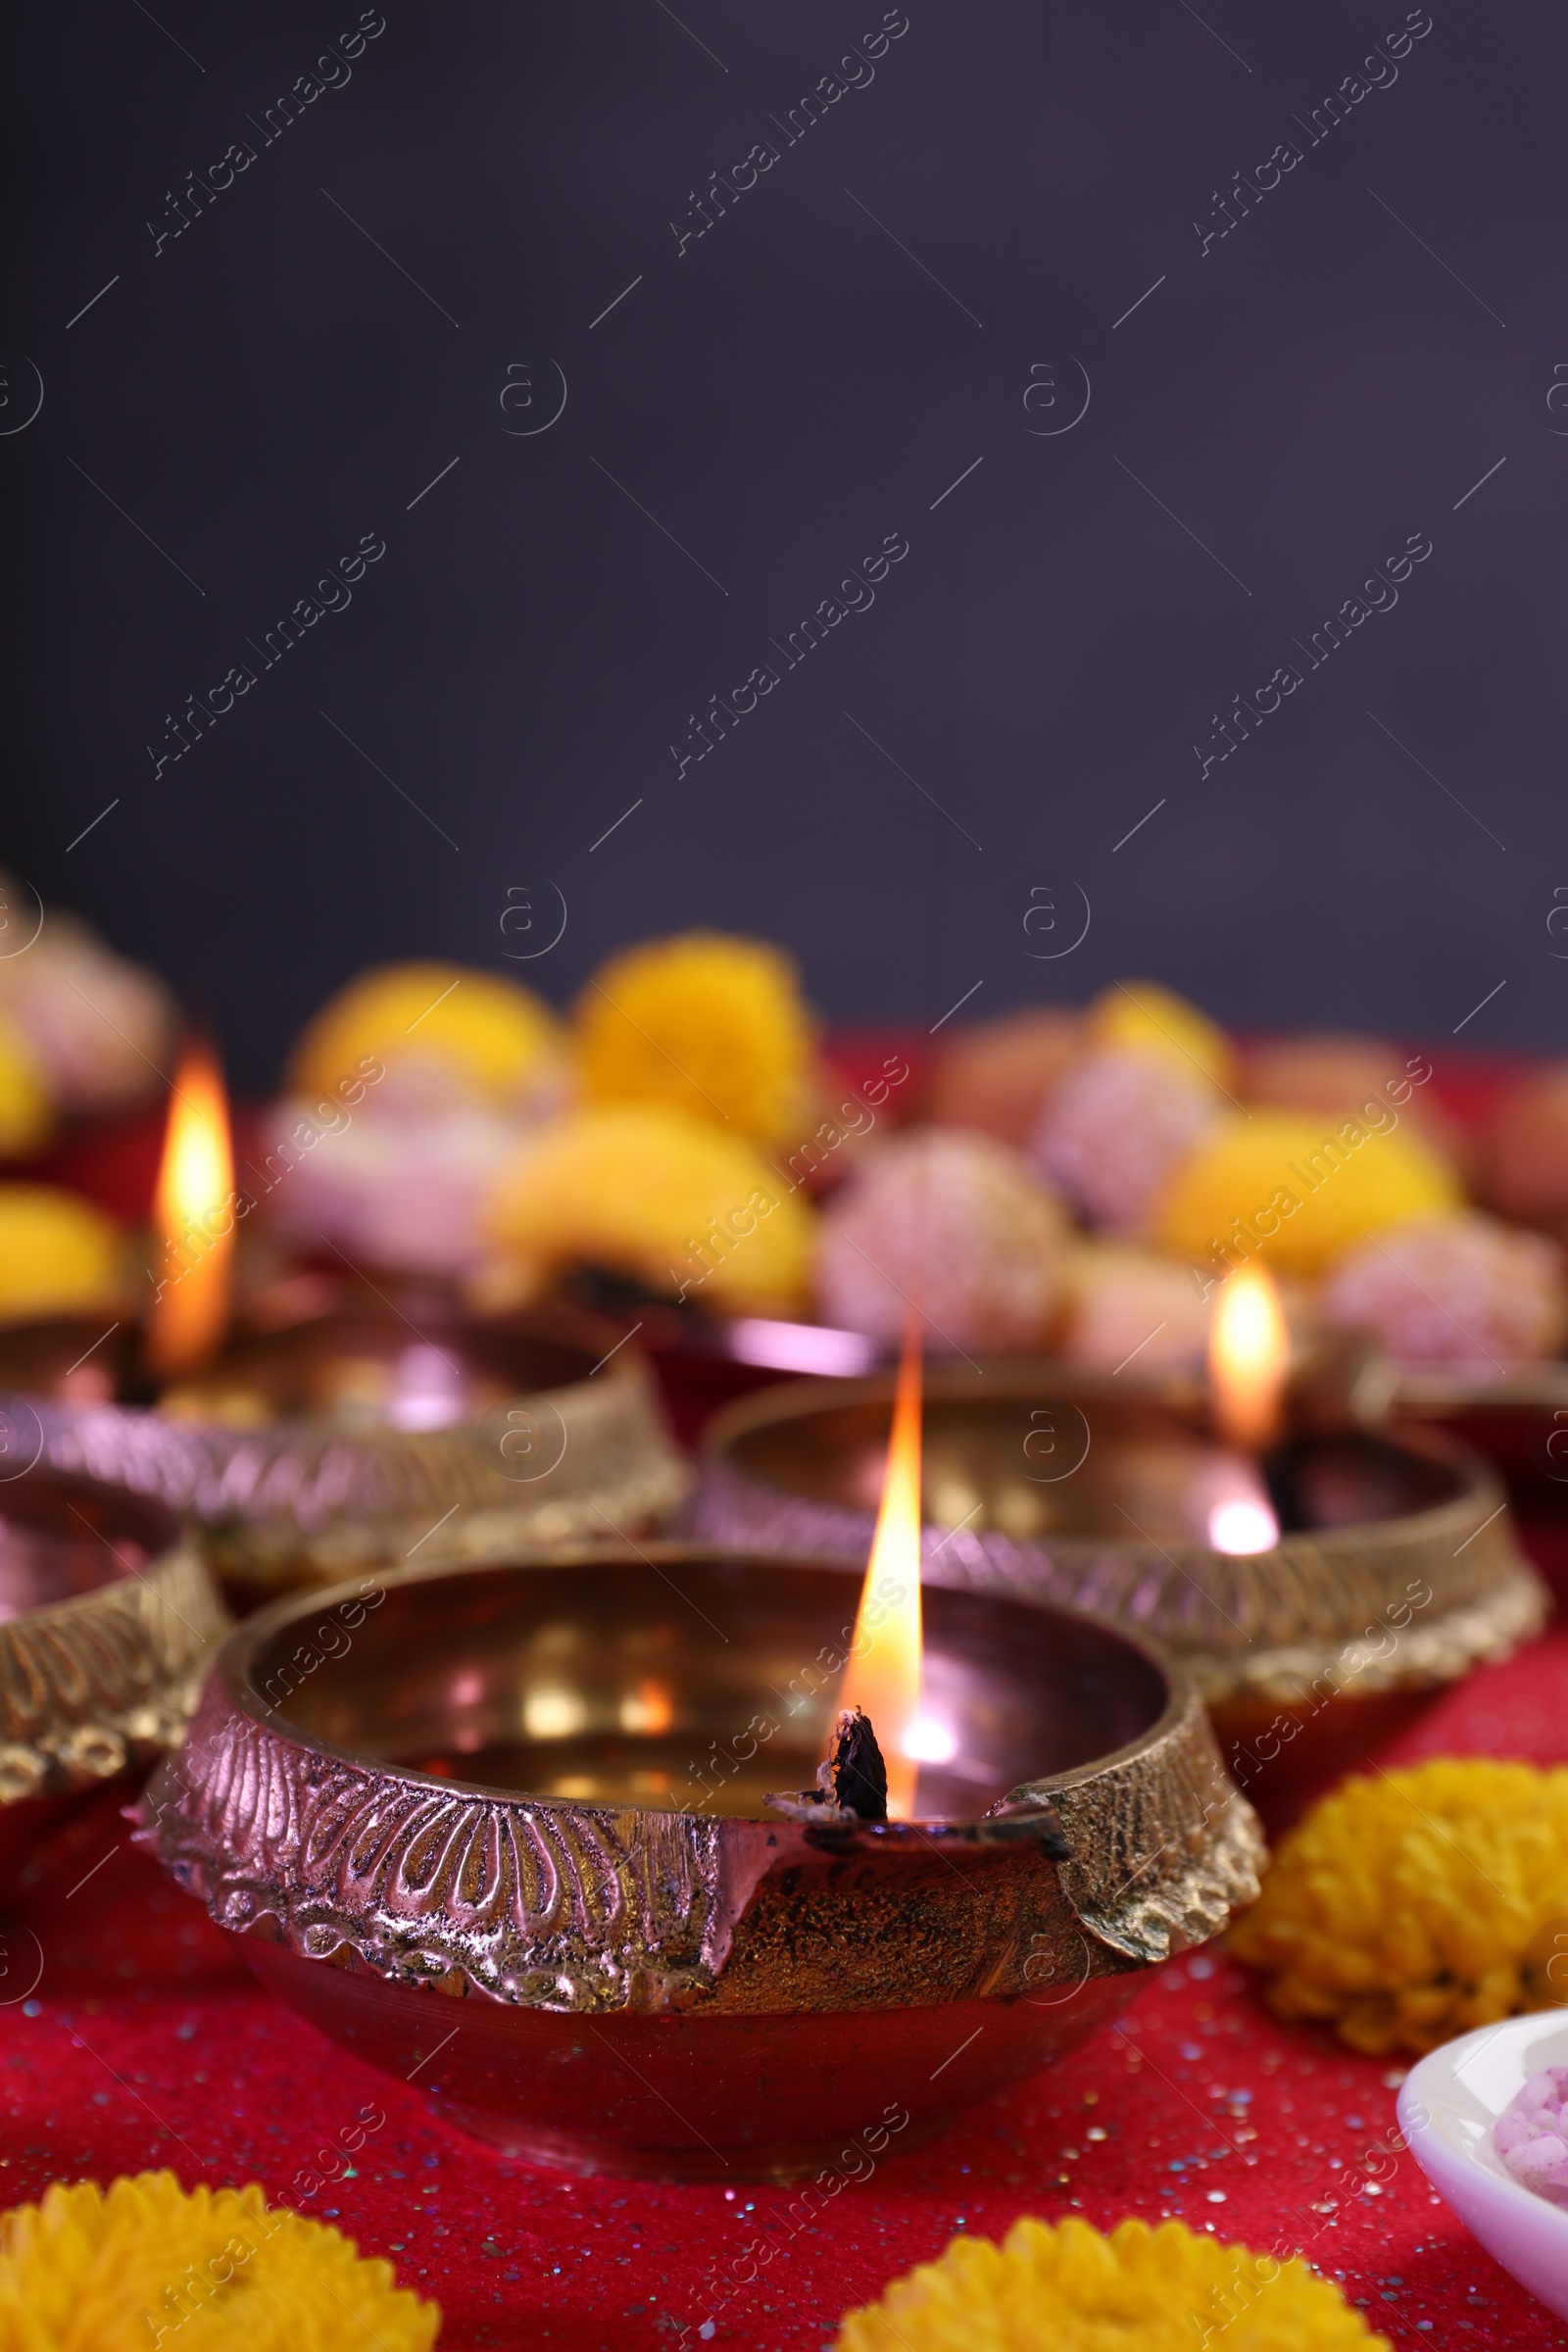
x: 1321, y: 1577
x: 336, y: 1422
x: 395, y: 1424
x: 675, y: 1861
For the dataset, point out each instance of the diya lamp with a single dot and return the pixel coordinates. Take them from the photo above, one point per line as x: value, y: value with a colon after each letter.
x: 107, y: 1612
x: 395, y: 1424
x: 106, y: 1619
x: 683, y: 1862
x: 1307, y: 1478
x: 327, y: 1422
x: 1322, y: 1574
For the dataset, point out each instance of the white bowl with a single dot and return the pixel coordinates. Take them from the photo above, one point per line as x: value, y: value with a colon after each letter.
x: 1449, y: 2105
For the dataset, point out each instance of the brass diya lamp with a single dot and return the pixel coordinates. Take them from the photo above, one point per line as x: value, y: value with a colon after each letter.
x: 595, y: 1843
x: 372, y: 1432
x: 1321, y: 1578
x: 339, y: 1420
x: 107, y: 1620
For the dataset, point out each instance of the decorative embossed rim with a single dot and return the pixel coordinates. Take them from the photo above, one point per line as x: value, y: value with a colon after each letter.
x: 103, y: 1680
x: 302, y: 1492
x: 288, y: 1837
x: 1258, y: 1636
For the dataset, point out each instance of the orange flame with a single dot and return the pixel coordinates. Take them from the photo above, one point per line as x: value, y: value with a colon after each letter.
x: 885, y: 1661
x: 1249, y: 1355
x: 193, y: 1219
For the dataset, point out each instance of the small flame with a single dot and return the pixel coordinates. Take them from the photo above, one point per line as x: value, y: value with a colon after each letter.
x: 1244, y: 1524
x: 1249, y: 1355
x: 1228, y: 1504
x: 650, y: 1708
x: 885, y: 1660
x: 193, y: 1216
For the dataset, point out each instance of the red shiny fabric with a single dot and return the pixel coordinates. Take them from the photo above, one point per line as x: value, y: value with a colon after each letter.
x: 143, y: 2044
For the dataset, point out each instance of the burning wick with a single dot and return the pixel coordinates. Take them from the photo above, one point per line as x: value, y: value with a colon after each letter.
x: 193, y: 1215
x: 851, y: 1786
x: 854, y: 1777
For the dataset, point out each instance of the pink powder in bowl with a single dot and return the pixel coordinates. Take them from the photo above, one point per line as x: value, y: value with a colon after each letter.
x: 1531, y: 2135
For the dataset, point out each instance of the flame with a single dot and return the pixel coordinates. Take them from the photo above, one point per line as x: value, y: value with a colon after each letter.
x: 885, y: 1659
x: 193, y: 1216
x: 650, y: 1707
x: 1243, y: 1524
x: 1228, y: 1504
x: 1248, y: 1353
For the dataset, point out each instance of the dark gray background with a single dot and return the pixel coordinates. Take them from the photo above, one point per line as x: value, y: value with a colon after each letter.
x: 795, y: 385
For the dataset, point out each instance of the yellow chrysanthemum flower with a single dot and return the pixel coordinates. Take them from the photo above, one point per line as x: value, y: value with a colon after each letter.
x: 1299, y: 1188
x: 500, y: 1041
x: 146, y: 2265
x: 1411, y: 1907
x: 652, y: 1192
x: 1139, y: 1013
x: 27, y: 1113
x: 59, y: 1256
x: 1140, y: 2290
x: 712, y: 1024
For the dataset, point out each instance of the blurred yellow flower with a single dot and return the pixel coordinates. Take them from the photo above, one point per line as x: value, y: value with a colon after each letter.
x: 1301, y: 1188
x: 145, y: 2263
x: 27, y: 1113
x: 712, y: 1024
x: 1140, y: 1012
x: 497, y: 1039
x: 59, y: 1256
x: 1411, y: 1907
x: 1069, y: 2290
x: 649, y: 1191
